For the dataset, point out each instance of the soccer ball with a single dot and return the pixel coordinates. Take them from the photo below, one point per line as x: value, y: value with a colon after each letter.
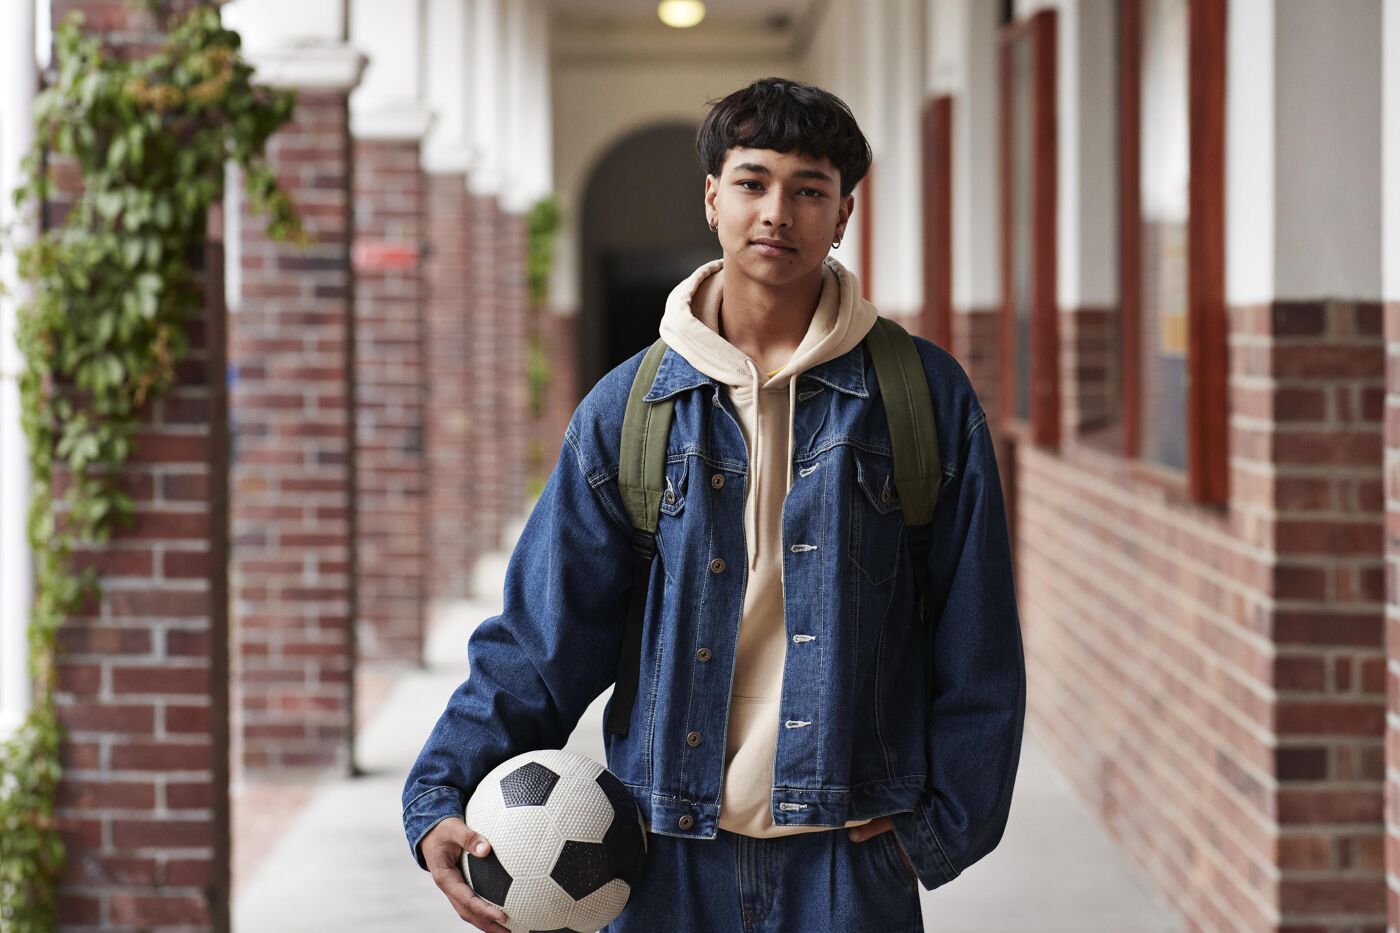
x: 567, y: 842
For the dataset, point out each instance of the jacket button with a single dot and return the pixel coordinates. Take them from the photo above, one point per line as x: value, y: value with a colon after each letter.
x: 717, y: 481
x: 885, y: 494
x: 717, y: 565
x: 686, y: 821
x: 670, y: 495
x: 693, y: 739
x: 704, y: 654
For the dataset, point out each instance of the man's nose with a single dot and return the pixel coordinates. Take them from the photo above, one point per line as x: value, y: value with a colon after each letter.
x: 776, y: 210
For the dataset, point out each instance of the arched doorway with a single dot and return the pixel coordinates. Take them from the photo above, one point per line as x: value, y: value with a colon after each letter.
x: 643, y: 230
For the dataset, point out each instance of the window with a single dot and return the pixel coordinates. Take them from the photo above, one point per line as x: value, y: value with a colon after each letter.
x: 1172, y: 274
x: 1029, y: 330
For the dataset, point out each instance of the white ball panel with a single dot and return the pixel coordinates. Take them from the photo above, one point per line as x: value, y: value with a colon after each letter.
x: 581, y: 809
x: 484, y: 809
x: 527, y: 842
x: 600, y: 908
x: 537, y: 904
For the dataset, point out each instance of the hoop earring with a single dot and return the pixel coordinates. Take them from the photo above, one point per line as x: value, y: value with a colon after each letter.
x: 835, y: 244
x: 714, y: 226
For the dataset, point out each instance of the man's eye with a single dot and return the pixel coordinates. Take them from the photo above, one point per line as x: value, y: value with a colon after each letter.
x: 818, y: 192
x: 750, y: 181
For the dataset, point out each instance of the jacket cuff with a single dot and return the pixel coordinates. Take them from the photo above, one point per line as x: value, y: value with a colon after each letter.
x: 426, y: 811
x: 915, y: 832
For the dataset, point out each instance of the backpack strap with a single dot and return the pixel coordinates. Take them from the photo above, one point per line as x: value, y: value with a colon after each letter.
x: 641, y: 477
x: 914, y: 439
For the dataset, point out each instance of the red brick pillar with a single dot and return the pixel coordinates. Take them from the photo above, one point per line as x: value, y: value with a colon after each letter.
x: 515, y: 420
x: 1326, y: 403
x: 497, y: 402
x: 293, y: 506
x: 143, y: 678
x: 390, y: 393
x: 447, y: 274
x: 142, y: 689
x: 1392, y: 611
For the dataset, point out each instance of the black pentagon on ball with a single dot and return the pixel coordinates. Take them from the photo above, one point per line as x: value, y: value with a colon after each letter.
x: 582, y: 868
x: 625, y: 840
x: 488, y: 877
x: 528, y: 785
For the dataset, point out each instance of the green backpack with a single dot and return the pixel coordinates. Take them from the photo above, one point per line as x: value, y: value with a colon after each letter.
x: 646, y: 428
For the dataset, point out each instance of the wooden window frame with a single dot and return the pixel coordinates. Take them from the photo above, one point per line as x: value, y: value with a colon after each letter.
x: 937, y: 164
x: 1043, y: 426
x: 1206, y: 477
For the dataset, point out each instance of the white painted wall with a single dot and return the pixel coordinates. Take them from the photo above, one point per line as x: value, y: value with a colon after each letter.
x: 1390, y: 83
x: 1328, y: 149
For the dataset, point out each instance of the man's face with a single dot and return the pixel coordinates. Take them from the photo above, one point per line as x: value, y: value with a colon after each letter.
x: 778, y: 213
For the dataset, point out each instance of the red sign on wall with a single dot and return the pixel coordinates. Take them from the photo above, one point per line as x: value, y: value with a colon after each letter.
x: 383, y: 255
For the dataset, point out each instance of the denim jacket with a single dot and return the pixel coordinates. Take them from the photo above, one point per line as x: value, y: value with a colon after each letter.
x: 857, y: 740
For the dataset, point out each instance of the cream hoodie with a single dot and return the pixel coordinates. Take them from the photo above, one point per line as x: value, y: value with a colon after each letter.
x: 764, y: 404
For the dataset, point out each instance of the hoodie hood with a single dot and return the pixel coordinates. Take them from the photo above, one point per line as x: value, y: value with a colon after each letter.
x: 691, y: 327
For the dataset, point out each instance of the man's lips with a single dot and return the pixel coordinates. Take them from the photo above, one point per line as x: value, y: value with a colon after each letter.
x: 773, y: 247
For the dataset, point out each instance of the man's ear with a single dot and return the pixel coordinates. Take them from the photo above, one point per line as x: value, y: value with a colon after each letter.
x: 711, y: 189
x: 843, y: 216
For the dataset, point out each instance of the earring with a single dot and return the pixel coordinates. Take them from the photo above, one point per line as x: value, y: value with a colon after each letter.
x: 714, y: 225
x: 836, y: 243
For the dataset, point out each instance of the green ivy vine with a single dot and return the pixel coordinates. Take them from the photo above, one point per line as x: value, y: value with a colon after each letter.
x: 150, y: 134
x: 541, y: 228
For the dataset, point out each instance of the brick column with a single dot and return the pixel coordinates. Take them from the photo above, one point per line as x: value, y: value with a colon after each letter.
x: 448, y: 279
x: 390, y: 390
x: 1325, y: 402
x: 142, y: 688
x: 1392, y: 611
x: 497, y: 402
x: 293, y: 507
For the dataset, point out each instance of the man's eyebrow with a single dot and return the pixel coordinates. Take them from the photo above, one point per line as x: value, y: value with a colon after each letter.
x: 800, y: 173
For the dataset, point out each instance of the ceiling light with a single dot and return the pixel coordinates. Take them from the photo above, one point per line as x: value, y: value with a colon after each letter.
x: 680, y: 14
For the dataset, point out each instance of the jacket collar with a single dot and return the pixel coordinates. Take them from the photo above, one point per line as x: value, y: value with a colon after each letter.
x: 845, y: 373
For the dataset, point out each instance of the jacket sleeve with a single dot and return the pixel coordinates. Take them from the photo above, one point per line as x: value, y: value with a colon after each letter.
x: 534, y: 669
x: 979, y: 692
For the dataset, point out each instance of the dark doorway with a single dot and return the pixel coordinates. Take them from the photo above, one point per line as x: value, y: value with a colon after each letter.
x: 643, y: 231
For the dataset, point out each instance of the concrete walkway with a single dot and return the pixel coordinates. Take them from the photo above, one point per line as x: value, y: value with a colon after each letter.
x: 343, y: 863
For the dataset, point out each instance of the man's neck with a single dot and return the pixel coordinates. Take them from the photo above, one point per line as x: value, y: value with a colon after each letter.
x: 768, y: 323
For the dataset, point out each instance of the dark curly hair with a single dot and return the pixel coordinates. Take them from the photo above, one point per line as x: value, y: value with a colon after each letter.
x: 786, y: 116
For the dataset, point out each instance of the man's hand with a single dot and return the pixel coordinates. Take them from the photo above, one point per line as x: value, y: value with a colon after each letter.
x: 442, y: 851
x: 881, y: 824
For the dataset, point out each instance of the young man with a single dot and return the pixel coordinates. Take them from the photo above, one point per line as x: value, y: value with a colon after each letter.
x: 782, y: 680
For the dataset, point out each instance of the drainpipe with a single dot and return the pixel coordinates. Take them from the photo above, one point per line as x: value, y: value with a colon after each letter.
x: 18, y: 85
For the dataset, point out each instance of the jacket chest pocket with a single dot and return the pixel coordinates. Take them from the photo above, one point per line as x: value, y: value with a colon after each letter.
x: 877, y: 518
x: 670, y: 523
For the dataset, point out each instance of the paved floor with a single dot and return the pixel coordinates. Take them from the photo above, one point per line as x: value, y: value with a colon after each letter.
x: 343, y: 864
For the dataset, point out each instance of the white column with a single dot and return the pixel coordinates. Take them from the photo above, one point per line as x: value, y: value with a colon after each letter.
x: 389, y: 102
x: 18, y: 84
x: 446, y: 48
x: 487, y: 86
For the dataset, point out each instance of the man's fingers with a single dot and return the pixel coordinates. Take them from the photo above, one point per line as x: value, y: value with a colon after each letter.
x: 468, y: 904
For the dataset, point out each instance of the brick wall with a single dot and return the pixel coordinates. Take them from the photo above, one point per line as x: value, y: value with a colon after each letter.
x: 1392, y: 612
x: 1209, y: 679
x: 496, y: 401
x: 143, y: 678
x: 293, y: 468
x: 390, y: 389
x: 142, y: 689
x: 557, y: 336
x: 1327, y: 409
x: 447, y: 277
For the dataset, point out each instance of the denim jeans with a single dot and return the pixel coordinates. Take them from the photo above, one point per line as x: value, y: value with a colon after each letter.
x: 804, y: 883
